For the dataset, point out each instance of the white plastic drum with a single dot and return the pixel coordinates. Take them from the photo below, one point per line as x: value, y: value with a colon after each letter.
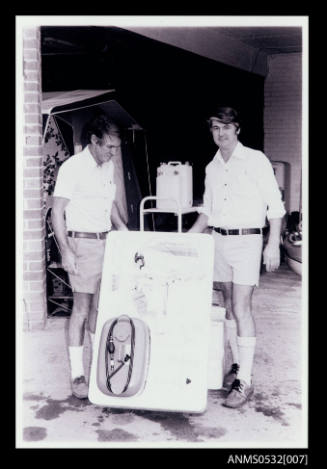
x: 174, y: 181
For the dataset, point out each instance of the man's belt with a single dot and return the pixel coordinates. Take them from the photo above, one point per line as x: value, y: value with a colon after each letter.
x: 241, y: 231
x: 80, y: 234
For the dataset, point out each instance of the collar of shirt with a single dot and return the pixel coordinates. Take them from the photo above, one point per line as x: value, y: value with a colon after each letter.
x: 90, y: 161
x: 238, y: 152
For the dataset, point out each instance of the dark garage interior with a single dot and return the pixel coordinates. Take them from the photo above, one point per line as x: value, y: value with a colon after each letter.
x: 169, y: 91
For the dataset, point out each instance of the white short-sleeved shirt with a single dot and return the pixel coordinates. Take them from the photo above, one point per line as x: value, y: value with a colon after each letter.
x: 90, y: 189
x: 242, y: 192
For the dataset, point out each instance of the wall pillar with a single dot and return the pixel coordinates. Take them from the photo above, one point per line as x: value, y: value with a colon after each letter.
x: 34, y: 284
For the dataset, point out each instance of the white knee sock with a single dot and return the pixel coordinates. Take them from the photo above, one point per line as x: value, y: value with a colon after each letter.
x: 231, y: 338
x: 76, y: 361
x: 246, y: 347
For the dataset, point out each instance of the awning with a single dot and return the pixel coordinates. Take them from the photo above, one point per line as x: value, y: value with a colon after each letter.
x: 68, y: 102
x: 54, y: 102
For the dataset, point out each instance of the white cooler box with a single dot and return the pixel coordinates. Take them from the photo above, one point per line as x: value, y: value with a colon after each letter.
x: 216, y: 348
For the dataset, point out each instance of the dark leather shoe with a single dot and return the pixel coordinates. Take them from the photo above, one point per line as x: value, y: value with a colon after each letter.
x: 80, y: 388
x: 239, y: 394
x: 230, y: 377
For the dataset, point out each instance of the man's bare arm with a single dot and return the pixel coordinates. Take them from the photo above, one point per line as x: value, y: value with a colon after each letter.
x: 116, y: 218
x: 201, y: 223
x: 59, y: 227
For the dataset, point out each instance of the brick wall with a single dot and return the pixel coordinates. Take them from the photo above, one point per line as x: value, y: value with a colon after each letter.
x: 34, y: 286
x: 282, y: 117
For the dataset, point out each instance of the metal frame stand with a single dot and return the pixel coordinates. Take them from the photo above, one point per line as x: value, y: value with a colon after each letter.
x: 178, y: 211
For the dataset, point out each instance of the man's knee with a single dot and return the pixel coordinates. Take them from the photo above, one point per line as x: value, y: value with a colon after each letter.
x: 242, y: 312
x: 82, y: 303
x: 242, y: 301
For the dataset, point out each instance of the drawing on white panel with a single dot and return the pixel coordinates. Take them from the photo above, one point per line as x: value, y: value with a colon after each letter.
x: 152, y: 333
x: 150, y: 274
x: 142, y: 290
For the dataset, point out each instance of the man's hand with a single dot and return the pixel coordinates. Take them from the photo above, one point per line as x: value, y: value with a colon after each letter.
x: 69, y: 261
x: 271, y: 253
x: 200, y: 224
x: 271, y: 256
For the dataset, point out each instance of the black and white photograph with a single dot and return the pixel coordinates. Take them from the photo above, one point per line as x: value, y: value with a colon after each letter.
x: 161, y: 232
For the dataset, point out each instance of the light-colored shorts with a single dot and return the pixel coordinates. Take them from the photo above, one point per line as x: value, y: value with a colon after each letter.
x: 237, y: 258
x: 89, y: 259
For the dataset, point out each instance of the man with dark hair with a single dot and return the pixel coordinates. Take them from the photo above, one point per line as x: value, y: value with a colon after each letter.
x: 240, y: 193
x: 83, y: 212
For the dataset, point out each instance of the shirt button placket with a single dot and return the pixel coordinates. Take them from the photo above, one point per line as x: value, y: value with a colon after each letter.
x: 225, y: 188
x: 225, y: 194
